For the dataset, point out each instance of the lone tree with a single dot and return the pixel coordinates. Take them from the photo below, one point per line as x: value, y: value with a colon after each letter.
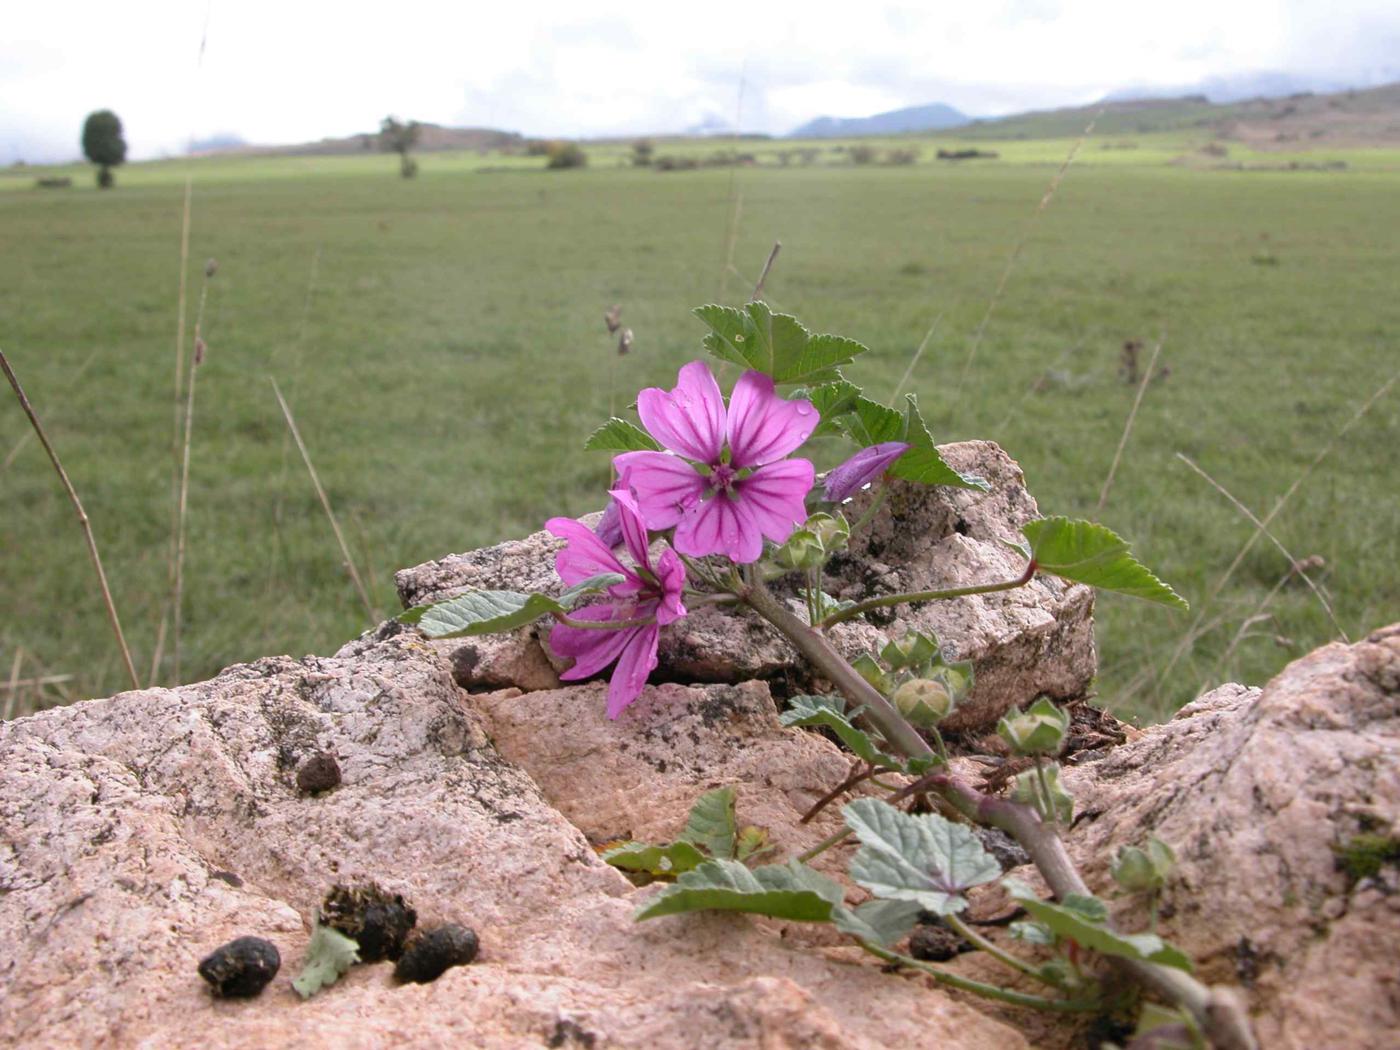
x: 103, y: 144
x: 400, y: 137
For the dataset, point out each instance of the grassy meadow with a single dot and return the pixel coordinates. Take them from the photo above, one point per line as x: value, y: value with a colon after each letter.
x: 441, y: 343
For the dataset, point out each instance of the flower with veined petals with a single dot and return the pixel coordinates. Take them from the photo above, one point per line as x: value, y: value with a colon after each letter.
x: 725, y: 482
x: 649, y: 592
x: 860, y: 470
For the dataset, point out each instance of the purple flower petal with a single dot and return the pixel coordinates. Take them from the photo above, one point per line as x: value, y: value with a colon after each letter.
x: 664, y: 485
x: 688, y: 419
x: 586, y: 555
x: 763, y: 427
x: 671, y: 573
x: 638, y: 660
x: 775, y: 497
x: 609, y: 527
x: 590, y: 649
x: 861, y: 469
x: 634, y: 529
x: 719, y: 525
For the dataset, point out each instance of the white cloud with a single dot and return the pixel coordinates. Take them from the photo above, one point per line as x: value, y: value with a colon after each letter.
x: 289, y: 71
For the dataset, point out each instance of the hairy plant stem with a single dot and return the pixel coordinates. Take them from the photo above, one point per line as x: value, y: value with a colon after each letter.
x: 987, y: 991
x: 1047, y: 800
x: 927, y: 596
x: 974, y: 938
x: 1218, y: 1012
x: 603, y: 625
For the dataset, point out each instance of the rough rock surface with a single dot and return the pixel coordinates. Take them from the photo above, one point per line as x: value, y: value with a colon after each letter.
x: 1262, y: 794
x: 139, y: 832
x: 1033, y: 640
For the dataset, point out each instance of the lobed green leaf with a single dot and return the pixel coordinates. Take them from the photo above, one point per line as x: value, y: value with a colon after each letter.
x: 923, y: 462
x: 883, y: 922
x: 787, y: 891
x: 661, y: 861
x: 925, y: 858
x: 775, y: 344
x: 1087, y: 927
x: 490, y: 612
x: 1087, y: 552
x: 329, y: 954
x: 618, y: 435
x: 830, y: 711
x: 711, y: 823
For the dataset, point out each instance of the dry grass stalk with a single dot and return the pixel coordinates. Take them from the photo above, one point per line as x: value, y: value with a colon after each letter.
x: 1128, y: 426
x: 1189, y: 638
x: 1257, y: 616
x: 914, y: 361
x: 767, y: 267
x: 12, y: 687
x: 28, y: 435
x: 83, y: 521
x: 735, y: 211
x: 1016, y: 250
x: 1296, y: 566
x: 325, y: 504
x: 182, y: 503
x: 1038, y: 383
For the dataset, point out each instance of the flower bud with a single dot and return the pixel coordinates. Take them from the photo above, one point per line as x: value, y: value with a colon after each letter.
x: 803, y: 550
x: 1143, y: 869
x: 913, y: 650
x: 1026, y: 789
x: 832, y: 530
x: 923, y: 702
x: 1039, y: 730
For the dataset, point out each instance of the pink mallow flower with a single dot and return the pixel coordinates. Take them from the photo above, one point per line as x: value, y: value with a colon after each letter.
x: 724, y: 483
x: 860, y: 470
x: 648, y: 591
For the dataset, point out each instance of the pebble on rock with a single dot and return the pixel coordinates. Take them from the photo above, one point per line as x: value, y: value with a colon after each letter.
x: 320, y: 772
x: 241, y: 968
x: 431, y: 953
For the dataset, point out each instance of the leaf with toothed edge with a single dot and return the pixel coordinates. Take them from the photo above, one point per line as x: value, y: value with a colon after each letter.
x: 328, y: 955
x: 775, y: 344
x: 883, y: 922
x: 1087, y: 552
x: 711, y: 823
x: 782, y: 891
x: 923, y: 462
x: 618, y: 435
x: 490, y: 612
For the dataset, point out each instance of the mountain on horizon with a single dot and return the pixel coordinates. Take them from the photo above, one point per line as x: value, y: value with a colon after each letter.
x: 933, y: 117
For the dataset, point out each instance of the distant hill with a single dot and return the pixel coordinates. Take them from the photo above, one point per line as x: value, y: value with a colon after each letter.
x: 1343, y: 118
x: 933, y: 117
x: 431, y: 138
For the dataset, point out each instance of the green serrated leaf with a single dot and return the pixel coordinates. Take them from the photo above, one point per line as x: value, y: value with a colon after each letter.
x: 660, y: 861
x: 1087, y: 552
x: 883, y: 922
x: 787, y: 891
x: 775, y: 344
x: 489, y: 612
x: 830, y: 711
x: 871, y: 423
x: 924, y: 858
x: 752, y: 842
x: 831, y: 400
x: 711, y: 823
x: 1033, y: 933
x: 328, y: 955
x: 1073, y: 920
x: 618, y: 435
x: 924, y: 463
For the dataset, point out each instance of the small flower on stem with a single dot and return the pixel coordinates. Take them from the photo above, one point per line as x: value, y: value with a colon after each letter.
x: 860, y: 470
x: 649, y: 592
x: 724, y: 482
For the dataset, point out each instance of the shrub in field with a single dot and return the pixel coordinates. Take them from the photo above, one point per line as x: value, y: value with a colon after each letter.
x: 669, y: 163
x: 642, y: 152
x: 903, y: 155
x: 566, y: 155
x: 396, y: 136
x: 862, y: 154
x: 714, y: 505
x: 104, y: 144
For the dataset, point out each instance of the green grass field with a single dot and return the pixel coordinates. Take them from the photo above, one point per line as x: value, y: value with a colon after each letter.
x: 449, y: 356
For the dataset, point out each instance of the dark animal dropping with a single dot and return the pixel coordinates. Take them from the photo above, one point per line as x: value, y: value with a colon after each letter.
x: 377, y: 920
x: 431, y: 953
x: 320, y: 772
x: 241, y: 968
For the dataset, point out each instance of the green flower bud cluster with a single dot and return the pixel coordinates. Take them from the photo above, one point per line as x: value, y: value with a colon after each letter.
x: 1144, y: 869
x: 1026, y: 788
x: 924, y: 686
x: 809, y: 547
x: 1038, y: 730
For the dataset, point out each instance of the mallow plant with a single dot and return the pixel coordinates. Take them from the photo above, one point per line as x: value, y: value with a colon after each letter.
x: 715, y: 504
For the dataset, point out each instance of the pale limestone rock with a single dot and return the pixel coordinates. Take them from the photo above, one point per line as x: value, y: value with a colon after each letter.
x: 1256, y: 791
x: 140, y: 832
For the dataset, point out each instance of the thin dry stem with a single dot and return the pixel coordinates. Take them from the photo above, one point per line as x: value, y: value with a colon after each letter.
x: 731, y: 236
x: 1189, y: 638
x: 1016, y: 251
x: 1035, y: 385
x: 325, y: 503
x: 767, y: 267
x: 28, y: 435
x: 914, y: 361
x: 1128, y: 426
x: 12, y: 694
x: 1262, y: 529
x: 177, y: 585
x: 83, y: 521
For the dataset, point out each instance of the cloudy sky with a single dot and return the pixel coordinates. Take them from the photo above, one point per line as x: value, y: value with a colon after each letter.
x: 295, y: 70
